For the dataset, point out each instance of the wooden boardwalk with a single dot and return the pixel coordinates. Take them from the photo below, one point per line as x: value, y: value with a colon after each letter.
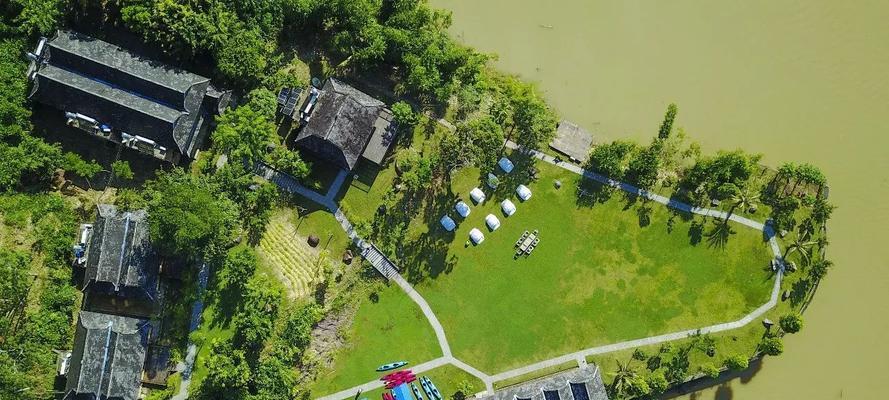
x: 380, y: 262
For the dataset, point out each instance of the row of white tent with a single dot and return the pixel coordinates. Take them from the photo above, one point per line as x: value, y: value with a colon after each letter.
x: 491, y: 220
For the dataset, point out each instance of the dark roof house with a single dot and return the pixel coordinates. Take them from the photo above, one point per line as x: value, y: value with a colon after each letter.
x: 584, y: 383
x: 118, y: 95
x: 108, y: 356
x: 119, y: 257
x: 345, y: 124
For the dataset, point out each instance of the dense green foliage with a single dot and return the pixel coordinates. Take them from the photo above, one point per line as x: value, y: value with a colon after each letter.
x: 791, y: 323
x: 667, y: 125
x: 187, y: 215
x: 37, y: 297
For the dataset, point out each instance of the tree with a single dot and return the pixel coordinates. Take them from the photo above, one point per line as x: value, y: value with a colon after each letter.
x: 709, y: 173
x: 709, y: 370
x: 627, y: 382
x: 255, y: 321
x: 227, y: 370
x: 187, y: 215
x: 657, y: 383
x: 240, y: 265
x: 639, y: 355
x: 644, y: 166
x: 534, y: 120
x: 667, y: 125
x: 791, y: 323
x: 783, y: 213
x: 801, y: 244
x: 771, y: 345
x: 485, y: 139
x: 745, y: 199
x: 13, y: 283
x: 818, y: 270
x: 297, y: 331
x: 403, y: 115
x: 736, y: 362
x: 289, y: 162
x: 821, y: 211
x: 610, y: 159
x: 274, y: 379
x: 120, y: 169
x: 246, y: 132
x: 39, y: 16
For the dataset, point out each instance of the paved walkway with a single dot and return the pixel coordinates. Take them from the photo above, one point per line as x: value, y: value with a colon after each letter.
x: 578, y: 356
x: 192, y: 351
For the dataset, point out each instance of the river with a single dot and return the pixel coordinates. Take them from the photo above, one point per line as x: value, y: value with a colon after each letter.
x: 800, y: 80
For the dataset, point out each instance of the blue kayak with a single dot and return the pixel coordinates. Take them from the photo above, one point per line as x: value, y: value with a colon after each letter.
x: 434, y: 389
x: 391, y: 366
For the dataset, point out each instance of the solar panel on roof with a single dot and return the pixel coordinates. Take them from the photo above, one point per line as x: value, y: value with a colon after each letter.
x: 283, y: 95
x: 291, y: 104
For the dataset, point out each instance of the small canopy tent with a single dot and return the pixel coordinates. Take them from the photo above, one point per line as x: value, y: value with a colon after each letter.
x: 523, y: 192
x: 508, y: 207
x: 492, y: 222
x: 476, y: 236
x: 448, y: 223
x: 462, y: 208
x: 477, y: 195
x: 506, y: 165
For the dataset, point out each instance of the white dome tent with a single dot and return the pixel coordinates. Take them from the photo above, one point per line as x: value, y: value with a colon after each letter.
x: 477, y: 195
x: 448, y: 223
x: 462, y: 208
x: 476, y: 236
x: 523, y: 192
x: 506, y: 165
x: 492, y: 222
x: 508, y: 207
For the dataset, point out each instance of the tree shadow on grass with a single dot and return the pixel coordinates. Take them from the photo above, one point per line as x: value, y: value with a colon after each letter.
x: 719, y: 234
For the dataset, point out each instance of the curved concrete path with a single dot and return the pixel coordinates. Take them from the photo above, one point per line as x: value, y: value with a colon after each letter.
x: 580, y: 355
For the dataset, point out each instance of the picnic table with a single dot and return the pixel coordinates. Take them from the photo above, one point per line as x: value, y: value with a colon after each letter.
x: 525, y: 246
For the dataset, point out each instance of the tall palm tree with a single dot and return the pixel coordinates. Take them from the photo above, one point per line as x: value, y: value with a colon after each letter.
x: 744, y: 199
x: 819, y: 269
x: 623, y: 379
x: 800, y: 245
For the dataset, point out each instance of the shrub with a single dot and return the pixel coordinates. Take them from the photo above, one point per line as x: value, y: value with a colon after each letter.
x: 771, y: 345
x: 791, y: 323
x: 736, y: 362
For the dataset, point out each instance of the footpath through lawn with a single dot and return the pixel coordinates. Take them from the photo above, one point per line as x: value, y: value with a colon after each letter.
x: 605, y: 271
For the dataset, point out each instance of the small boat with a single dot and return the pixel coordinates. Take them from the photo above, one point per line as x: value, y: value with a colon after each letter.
x: 434, y: 389
x: 426, y: 388
x: 391, y: 366
x: 417, y: 392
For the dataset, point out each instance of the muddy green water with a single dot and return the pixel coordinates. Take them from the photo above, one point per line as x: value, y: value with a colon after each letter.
x: 803, y: 80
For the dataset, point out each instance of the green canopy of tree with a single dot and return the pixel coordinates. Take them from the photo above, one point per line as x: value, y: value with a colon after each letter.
x: 247, y: 131
x: 188, y: 216
x: 667, y: 125
x: 255, y: 321
x: 727, y: 167
x: 791, y: 323
x: 736, y: 362
x: 611, y: 159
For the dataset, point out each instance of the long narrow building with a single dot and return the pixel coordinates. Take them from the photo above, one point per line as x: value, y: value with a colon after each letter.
x: 115, y: 94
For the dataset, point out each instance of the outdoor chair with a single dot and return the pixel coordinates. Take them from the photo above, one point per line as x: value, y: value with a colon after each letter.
x: 535, y: 232
x: 518, y: 242
x: 535, y: 242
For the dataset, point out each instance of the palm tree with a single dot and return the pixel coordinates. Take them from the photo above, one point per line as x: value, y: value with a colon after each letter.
x: 745, y: 199
x: 800, y: 245
x: 623, y: 379
x: 819, y: 269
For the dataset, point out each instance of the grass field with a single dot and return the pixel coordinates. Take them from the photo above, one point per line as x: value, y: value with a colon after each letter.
x: 604, y: 271
x: 387, y: 327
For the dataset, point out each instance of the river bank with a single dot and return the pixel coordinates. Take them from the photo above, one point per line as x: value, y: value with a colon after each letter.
x: 800, y: 81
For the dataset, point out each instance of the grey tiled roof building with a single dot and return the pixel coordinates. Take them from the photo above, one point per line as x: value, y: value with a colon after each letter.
x: 119, y: 256
x: 109, y: 352
x: 584, y: 383
x: 118, y: 95
x: 346, y: 124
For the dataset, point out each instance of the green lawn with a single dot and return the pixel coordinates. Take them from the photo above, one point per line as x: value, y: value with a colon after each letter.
x: 597, y: 277
x: 447, y: 379
x: 387, y: 327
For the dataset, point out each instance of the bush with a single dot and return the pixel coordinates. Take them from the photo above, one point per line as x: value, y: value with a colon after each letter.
x: 736, y: 362
x: 771, y: 345
x: 709, y: 370
x: 791, y: 323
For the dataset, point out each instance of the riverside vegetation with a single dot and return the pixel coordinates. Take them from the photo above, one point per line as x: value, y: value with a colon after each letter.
x: 255, y: 342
